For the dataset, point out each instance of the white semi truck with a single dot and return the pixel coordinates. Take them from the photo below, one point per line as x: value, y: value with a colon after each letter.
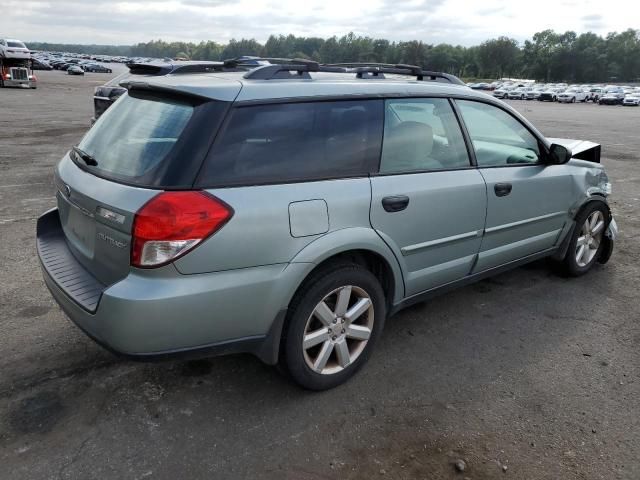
x: 16, y: 68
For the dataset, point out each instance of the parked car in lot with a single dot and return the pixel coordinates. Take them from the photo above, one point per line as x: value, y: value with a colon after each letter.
x: 96, y: 68
x: 75, y: 70
x: 550, y: 95
x: 502, y: 92
x: 572, y: 95
x: 40, y: 65
x: 481, y: 86
x: 519, y: 93
x: 612, y: 97
x: 261, y: 212
x: 534, y: 93
x: 632, y: 100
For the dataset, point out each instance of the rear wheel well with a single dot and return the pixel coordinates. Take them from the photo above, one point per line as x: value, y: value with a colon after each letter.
x: 372, y: 261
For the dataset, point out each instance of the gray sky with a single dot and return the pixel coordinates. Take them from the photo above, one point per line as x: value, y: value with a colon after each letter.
x: 463, y: 22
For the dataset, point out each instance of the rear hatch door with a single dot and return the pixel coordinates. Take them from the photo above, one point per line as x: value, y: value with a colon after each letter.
x: 147, y: 143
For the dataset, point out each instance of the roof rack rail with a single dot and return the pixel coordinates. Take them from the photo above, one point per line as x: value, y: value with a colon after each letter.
x: 398, y: 69
x: 284, y: 68
x: 279, y: 68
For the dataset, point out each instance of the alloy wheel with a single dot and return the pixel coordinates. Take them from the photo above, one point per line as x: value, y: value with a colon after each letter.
x: 338, y: 330
x: 590, y: 238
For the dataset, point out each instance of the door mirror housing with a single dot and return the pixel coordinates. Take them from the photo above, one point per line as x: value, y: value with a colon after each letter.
x: 559, y: 155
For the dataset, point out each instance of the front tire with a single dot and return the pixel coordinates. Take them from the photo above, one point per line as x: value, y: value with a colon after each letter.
x: 587, y: 241
x: 333, y: 323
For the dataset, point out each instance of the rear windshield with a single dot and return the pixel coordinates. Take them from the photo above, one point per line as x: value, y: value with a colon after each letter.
x: 149, y: 140
x: 16, y: 44
x: 135, y: 137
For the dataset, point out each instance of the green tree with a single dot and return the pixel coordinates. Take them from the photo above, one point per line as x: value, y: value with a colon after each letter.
x: 498, y: 57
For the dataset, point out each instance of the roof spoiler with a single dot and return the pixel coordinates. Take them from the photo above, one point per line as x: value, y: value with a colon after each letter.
x: 137, y: 85
x: 159, y: 69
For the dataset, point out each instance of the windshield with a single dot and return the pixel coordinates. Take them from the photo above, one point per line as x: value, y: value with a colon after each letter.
x: 16, y: 44
x: 135, y: 135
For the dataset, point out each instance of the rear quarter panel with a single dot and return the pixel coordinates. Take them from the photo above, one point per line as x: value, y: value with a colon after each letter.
x: 259, y: 233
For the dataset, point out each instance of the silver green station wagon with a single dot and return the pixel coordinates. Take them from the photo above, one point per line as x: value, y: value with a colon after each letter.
x: 287, y: 210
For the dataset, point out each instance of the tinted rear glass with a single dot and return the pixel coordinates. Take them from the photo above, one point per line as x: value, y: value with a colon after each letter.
x: 296, y: 141
x: 16, y: 45
x: 135, y: 137
x: 150, y: 140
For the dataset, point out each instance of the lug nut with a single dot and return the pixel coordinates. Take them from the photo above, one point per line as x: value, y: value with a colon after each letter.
x: 334, y: 337
x: 335, y: 320
x: 343, y: 330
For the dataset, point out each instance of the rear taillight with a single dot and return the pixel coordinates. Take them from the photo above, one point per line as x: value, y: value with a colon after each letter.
x: 172, y: 223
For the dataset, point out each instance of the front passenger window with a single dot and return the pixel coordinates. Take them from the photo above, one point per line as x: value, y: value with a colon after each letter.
x: 498, y: 138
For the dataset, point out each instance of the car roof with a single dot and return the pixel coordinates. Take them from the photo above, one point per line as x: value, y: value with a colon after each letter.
x: 229, y: 86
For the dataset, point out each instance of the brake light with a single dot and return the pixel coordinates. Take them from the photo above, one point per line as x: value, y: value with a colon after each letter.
x: 173, y: 223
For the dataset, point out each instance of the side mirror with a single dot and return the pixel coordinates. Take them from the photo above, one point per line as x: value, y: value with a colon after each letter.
x: 559, y: 155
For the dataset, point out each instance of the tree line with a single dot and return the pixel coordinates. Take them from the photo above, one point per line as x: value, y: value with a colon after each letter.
x: 547, y: 56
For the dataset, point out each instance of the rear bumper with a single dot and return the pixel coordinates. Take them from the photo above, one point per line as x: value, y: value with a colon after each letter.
x: 157, y: 314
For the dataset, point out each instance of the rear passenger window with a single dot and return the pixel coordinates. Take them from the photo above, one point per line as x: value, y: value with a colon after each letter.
x: 296, y: 141
x: 421, y: 134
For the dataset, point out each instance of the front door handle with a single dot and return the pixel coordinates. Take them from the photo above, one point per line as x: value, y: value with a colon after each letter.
x: 396, y: 203
x: 502, y: 189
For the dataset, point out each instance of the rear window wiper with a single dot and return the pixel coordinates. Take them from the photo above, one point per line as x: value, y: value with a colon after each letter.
x: 88, y: 159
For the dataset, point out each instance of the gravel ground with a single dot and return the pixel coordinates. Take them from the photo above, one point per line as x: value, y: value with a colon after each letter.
x: 526, y: 375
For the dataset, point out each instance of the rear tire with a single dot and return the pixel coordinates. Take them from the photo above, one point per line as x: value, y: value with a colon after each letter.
x: 587, y: 240
x: 333, y: 323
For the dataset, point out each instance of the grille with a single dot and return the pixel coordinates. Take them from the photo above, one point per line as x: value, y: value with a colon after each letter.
x: 19, y: 74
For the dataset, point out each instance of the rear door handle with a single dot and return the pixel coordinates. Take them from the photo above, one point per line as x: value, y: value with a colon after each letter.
x: 502, y: 189
x: 395, y: 203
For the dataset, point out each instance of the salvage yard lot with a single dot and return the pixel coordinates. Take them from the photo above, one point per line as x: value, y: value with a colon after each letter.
x: 526, y: 375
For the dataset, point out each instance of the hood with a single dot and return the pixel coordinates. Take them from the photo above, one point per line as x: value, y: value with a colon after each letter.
x: 580, y: 149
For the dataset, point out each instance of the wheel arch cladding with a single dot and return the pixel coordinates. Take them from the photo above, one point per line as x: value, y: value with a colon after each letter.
x: 356, y: 245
